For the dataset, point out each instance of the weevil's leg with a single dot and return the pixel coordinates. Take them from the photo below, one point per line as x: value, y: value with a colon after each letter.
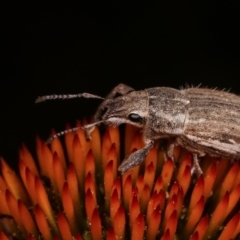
x: 89, y: 128
x: 119, y: 90
x: 170, y: 151
x: 136, y: 158
x: 197, y: 168
x: 88, y: 133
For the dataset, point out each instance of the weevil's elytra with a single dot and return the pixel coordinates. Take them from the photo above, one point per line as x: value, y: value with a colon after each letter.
x: 202, y: 120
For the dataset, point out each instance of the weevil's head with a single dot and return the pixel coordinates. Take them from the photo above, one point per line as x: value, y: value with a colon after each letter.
x: 131, y: 108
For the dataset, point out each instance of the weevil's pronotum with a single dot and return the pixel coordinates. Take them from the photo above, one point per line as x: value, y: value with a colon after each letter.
x: 202, y: 120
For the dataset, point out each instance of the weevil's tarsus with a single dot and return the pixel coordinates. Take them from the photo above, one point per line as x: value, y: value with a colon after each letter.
x: 135, y: 158
x: 170, y: 151
x: 66, y: 96
x: 88, y: 132
x: 89, y: 128
x: 196, y: 167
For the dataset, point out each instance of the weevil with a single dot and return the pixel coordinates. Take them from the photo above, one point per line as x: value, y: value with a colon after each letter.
x: 202, y: 120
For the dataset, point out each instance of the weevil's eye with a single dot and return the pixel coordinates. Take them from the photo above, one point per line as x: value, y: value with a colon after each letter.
x: 134, y: 117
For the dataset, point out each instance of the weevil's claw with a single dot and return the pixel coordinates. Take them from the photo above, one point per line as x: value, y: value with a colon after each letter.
x: 88, y: 129
x: 196, y: 167
x: 170, y: 151
x: 135, y: 158
x: 87, y: 136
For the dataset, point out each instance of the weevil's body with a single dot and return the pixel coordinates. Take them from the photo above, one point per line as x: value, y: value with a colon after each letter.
x: 212, y: 124
x: 202, y: 120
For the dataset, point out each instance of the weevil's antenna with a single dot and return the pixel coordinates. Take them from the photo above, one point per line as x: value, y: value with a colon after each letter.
x: 66, y: 96
x: 88, y: 129
x: 49, y: 140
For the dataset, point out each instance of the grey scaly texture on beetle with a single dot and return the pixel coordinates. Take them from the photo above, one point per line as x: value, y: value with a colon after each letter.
x: 202, y: 120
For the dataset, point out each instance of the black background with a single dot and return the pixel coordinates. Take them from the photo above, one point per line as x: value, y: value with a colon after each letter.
x: 91, y: 46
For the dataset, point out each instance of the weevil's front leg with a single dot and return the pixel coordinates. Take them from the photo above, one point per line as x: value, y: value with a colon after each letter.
x: 88, y: 130
x: 195, y: 153
x: 119, y: 90
x: 136, y: 158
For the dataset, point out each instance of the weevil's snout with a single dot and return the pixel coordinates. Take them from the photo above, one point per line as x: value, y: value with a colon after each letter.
x: 112, y: 108
x: 109, y: 108
x: 131, y: 108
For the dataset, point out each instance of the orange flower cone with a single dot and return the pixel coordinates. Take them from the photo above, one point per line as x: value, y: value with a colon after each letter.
x: 81, y: 195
